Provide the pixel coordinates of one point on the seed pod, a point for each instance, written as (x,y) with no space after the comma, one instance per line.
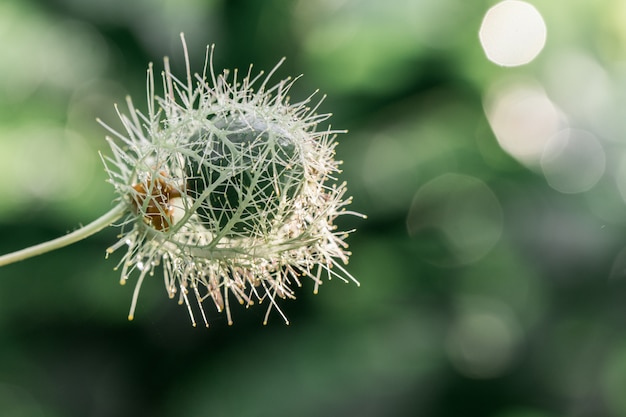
(231,189)
(249,170)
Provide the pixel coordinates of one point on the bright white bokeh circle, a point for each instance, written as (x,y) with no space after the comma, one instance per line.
(512,33)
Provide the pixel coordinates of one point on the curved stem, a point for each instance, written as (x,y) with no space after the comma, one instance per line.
(95,226)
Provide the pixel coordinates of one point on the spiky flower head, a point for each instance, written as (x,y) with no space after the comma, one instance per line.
(230,189)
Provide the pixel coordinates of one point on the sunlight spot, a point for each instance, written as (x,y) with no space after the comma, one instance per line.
(512,33)
(523,119)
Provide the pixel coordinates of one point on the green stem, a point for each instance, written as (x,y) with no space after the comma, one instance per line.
(95,226)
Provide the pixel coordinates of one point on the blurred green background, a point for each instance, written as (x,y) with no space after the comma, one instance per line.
(492,264)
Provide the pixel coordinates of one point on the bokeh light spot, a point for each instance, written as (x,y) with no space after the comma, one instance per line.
(523,119)
(482,342)
(458,219)
(512,33)
(582,86)
(573,161)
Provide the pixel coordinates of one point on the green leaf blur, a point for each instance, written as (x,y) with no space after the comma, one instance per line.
(492,263)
